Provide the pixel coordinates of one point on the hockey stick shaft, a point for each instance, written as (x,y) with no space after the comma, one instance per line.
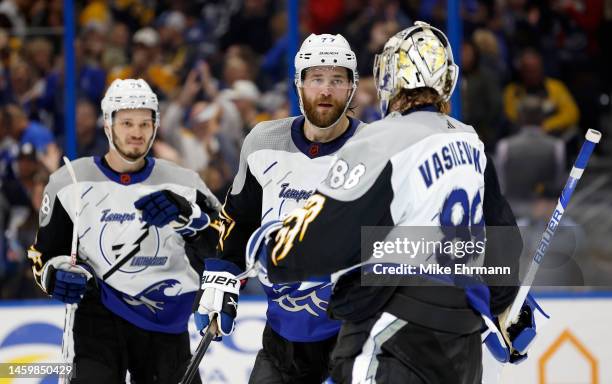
(77,208)
(592,138)
(71,308)
(197,357)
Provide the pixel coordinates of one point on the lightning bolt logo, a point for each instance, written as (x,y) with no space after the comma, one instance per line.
(124,254)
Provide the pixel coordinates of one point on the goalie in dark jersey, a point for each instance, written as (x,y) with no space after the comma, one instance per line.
(417,167)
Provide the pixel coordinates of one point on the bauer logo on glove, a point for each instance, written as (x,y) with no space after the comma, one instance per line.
(218,297)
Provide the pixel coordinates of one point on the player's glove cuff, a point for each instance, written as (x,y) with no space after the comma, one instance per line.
(197,221)
(165,207)
(257,247)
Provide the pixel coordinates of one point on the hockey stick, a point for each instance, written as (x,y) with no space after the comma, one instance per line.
(194,363)
(77,208)
(71,308)
(592,138)
(210,333)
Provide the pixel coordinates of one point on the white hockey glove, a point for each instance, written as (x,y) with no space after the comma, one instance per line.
(63,281)
(219,296)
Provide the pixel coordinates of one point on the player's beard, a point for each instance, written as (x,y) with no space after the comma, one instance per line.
(132,155)
(323,120)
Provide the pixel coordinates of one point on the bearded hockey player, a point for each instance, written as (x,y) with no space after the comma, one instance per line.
(417,167)
(133,281)
(281,164)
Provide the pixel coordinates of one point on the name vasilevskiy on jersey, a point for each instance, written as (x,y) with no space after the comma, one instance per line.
(446,158)
(294,194)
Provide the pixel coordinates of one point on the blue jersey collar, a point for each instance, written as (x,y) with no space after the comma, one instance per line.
(314,149)
(127,178)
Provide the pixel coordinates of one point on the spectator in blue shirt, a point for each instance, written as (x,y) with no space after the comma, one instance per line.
(18,131)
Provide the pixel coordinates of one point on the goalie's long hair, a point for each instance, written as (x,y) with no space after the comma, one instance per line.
(410,98)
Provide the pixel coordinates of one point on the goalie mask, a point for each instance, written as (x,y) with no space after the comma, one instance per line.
(128,94)
(419,56)
(323,51)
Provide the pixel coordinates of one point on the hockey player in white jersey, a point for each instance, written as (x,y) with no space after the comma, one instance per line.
(418,167)
(281,164)
(134,280)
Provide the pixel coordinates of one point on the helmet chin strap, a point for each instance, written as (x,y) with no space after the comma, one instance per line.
(384,107)
(348,103)
(111,144)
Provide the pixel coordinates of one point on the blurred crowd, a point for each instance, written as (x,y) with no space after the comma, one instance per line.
(533,79)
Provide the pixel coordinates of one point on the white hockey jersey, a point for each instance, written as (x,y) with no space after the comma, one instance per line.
(421,168)
(156,287)
(279,170)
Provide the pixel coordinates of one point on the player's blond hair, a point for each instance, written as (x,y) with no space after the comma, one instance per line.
(411,98)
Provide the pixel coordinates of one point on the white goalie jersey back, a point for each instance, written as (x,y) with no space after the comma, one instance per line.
(437,169)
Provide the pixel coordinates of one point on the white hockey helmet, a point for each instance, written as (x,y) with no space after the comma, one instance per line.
(128,94)
(325,50)
(419,56)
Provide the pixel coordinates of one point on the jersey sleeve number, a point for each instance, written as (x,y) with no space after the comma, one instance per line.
(45,206)
(342,176)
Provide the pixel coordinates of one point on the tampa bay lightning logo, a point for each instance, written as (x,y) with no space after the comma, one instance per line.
(296,299)
(154,297)
(139,243)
